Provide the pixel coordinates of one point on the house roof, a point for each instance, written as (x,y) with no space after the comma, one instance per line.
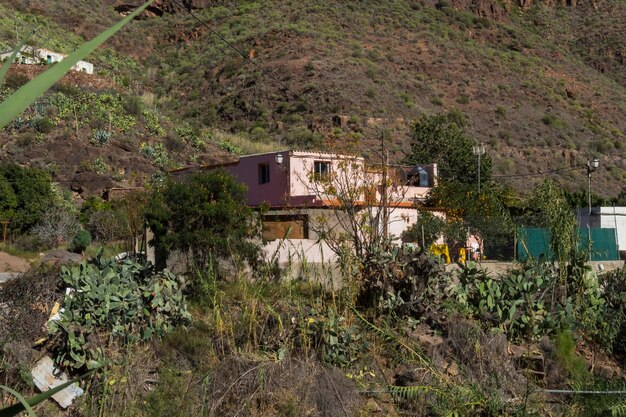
(294,152)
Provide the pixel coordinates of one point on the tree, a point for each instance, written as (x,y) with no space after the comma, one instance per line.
(8,200)
(57,225)
(440,139)
(356,195)
(33,191)
(131,213)
(426,231)
(206,217)
(485,215)
(81,240)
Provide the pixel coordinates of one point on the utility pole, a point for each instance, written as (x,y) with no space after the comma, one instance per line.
(591,167)
(479,150)
(384,188)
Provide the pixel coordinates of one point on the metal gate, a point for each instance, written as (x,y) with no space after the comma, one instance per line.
(535,242)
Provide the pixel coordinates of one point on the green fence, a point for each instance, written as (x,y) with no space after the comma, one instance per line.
(535,242)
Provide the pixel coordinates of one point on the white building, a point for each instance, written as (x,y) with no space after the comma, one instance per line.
(606,217)
(31,55)
(296,188)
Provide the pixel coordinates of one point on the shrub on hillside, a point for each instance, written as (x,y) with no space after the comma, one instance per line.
(81,240)
(58,225)
(33,190)
(15,81)
(613,333)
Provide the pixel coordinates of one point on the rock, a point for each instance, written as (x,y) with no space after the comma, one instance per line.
(453,369)
(517,351)
(61,257)
(425,336)
(375,121)
(159,7)
(371,407)
(604,371)
(430,341)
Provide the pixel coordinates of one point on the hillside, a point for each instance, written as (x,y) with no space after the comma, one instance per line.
(543,85)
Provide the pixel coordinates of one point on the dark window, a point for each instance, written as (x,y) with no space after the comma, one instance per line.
(264,173)
(321,170)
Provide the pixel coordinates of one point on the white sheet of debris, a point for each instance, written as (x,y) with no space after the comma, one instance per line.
(47,376)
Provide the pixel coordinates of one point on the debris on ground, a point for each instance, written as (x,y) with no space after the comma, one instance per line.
(47,376)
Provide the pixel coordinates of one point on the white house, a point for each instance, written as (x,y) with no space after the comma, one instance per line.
(31,55)
(296,187)
(606,217)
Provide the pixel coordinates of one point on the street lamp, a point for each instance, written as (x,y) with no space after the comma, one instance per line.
(479,150)
(591,166)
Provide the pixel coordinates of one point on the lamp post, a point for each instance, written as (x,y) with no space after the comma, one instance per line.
(591,166)
(478,150)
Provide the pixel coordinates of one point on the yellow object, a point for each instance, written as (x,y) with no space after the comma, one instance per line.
(55,309)
(41,341)
(442,251)
(462,255)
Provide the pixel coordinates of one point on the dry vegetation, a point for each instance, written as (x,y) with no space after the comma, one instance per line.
(542,86)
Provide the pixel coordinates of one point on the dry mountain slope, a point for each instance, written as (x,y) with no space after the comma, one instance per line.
(542,84)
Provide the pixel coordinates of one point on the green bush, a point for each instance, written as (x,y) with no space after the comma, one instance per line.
(133,105)
(33,190)
(125,302)
(205,214)
(341,343)
(42,124)
(81,240)
(431,226)
(612,327)
(565,345)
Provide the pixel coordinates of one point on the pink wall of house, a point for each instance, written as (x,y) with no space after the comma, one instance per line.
(303,186)
(276,191)
(291,184)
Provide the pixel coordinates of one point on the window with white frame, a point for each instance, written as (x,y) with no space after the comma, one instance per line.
(321,170)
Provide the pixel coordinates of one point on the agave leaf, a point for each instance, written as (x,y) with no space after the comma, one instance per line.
(25,405)
(31,91)
(8,62)
(22,403)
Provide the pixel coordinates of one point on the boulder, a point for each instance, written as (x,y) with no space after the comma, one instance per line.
(61,257)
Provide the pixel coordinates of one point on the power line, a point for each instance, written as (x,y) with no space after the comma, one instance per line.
(537,174)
